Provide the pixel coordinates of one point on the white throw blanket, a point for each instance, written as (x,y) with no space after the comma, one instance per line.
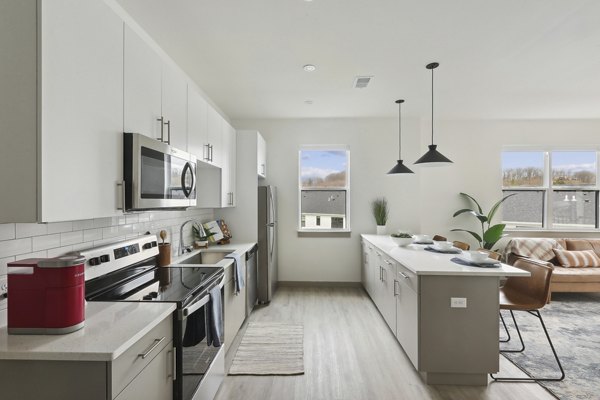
(538,248)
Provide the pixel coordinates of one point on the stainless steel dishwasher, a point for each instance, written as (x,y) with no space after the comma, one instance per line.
(251,283)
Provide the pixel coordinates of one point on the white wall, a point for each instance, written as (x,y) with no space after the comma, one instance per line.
(475,147)
(373,151)
(421,203)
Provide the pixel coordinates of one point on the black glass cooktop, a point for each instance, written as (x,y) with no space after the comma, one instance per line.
(146,282)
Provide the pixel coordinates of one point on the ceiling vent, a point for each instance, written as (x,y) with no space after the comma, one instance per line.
(361,81)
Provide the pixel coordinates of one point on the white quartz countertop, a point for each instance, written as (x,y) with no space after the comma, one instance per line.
(422,262)
(110,329)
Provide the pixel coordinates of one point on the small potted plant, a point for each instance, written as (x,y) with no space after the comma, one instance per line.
(402,238)
(379,207)
(201,235)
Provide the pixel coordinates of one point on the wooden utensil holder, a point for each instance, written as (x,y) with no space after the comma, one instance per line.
(164,254)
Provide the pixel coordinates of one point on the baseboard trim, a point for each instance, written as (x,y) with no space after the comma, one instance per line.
(318,284)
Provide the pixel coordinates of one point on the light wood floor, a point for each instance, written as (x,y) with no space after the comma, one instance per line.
(350,353)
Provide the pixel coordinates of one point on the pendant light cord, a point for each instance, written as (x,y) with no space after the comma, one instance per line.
(399,131)
(432,106)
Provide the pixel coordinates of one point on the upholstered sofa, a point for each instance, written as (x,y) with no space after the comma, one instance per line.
(564,279)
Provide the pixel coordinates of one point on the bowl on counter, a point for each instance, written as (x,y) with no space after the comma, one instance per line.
(478,256)
(402,241)
(443,245)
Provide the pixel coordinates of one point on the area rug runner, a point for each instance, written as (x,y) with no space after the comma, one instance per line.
(270,349)
(573,322)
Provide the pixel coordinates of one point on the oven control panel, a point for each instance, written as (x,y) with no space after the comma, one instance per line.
(108,258)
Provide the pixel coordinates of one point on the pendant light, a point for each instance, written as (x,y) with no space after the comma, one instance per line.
(432,158)
(400,168)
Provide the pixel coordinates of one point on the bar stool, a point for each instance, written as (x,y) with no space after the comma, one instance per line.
(530,295)
(461,245)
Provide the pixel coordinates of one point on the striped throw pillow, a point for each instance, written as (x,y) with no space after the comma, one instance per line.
(575,259)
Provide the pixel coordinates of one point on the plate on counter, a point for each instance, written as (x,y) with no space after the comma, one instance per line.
(488,261)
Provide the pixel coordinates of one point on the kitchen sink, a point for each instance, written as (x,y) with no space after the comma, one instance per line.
(205,257)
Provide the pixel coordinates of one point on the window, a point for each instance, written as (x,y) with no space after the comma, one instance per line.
(324,188)
(554,189)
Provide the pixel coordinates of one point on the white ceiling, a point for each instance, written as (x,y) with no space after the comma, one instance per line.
(498,58)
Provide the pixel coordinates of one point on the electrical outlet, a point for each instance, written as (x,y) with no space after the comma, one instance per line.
(458,302)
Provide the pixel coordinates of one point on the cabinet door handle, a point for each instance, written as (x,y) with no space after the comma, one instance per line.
(168,123)
(384,274)
(171,356)
(152,347)
(264,172)
(162,129)
(210,147)
(380,273)
(207,157)
(404,275)
(395,283)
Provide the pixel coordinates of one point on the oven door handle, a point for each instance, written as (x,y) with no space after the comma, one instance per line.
(183,314)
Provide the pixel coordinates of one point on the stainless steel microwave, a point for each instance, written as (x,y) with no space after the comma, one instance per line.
(156,175)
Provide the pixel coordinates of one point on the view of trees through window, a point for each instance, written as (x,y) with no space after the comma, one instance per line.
(574,168)
(561,193)
(522,168)
(323,189)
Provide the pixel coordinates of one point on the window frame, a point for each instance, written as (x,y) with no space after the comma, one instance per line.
(548,188)
(332,147)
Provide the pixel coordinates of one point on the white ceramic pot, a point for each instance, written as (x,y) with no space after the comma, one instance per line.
(381,229)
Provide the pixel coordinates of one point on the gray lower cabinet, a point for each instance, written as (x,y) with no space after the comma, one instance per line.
(155,380)
(129,376)
(378,274)
(407,313)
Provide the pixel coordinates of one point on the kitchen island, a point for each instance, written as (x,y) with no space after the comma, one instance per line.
(444,315)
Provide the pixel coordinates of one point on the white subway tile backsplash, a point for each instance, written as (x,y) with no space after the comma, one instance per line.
(83,224)
(7,231)
(132,218)
(59,251)
(111,231)
(36,254)
(29,230)
(46,242)
(102,222)
(15,247)
(92,234)
(71,238)
(60,227)
(20,241)
(82,246)
(109,240)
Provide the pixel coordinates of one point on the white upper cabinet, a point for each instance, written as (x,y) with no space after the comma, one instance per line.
(217,185)
(228,166)
(197,129)
(261,154)
(81,103)
(215,133)
(155,94)
(174,107)
(142,87)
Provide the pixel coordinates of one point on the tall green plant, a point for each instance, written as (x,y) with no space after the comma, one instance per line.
(380,210)
(490,234)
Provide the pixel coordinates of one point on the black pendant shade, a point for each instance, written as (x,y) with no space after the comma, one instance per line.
(400,168)
(432,158)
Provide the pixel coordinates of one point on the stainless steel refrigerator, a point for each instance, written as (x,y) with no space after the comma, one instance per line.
(267,243)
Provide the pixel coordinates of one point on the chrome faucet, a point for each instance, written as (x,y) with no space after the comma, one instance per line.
(181,249)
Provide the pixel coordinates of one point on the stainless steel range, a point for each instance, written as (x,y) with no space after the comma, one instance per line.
(127,271)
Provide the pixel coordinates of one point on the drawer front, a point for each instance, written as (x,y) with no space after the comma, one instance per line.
(407,277)
(129,364)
